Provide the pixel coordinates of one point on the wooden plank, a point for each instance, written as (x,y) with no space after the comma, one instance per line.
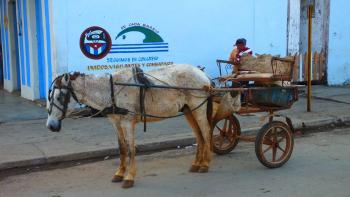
(314,65)
(296,68)
(305,66)
(323,66)
(319,66)
(247,138)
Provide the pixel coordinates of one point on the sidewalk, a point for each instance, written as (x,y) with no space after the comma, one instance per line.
(14,108)
(24,140)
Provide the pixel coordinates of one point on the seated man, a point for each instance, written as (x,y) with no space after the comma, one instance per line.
(239,51)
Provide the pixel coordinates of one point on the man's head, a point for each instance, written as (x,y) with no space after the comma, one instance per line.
(241,43)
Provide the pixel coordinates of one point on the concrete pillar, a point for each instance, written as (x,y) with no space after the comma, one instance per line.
(293,35)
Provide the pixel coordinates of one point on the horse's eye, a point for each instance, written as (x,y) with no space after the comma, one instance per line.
(61,98)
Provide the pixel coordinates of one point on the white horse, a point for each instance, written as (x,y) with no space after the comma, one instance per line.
(95,91)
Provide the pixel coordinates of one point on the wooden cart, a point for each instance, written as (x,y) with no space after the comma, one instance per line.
(274,141)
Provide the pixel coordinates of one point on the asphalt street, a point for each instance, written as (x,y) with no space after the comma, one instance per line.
(319,166)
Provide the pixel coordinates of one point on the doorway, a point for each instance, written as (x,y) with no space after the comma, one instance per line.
(1,67)
(13,41)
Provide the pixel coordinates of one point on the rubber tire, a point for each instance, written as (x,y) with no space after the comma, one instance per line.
(259,140)
(234,144)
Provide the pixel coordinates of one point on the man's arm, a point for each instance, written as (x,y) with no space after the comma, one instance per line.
(233,58)
(233,55)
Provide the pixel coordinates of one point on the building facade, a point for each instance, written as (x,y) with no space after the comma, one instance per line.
(26,31)
(41,39)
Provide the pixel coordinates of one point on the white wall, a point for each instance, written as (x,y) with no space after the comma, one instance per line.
(198,32)
(339,44)
(319,26)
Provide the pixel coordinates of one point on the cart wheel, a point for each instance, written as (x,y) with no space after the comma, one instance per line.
(274,144)
(225,135)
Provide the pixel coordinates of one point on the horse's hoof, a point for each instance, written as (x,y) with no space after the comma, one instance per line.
(128,184)
(194,168)
(203,169)
(117,178)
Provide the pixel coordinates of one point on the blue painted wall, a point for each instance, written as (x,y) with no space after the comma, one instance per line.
(40,42)
(5,40)
(35,84)
(20,40)
(16,47)
(3,68)
(198,32)
(7,44)
(26,40)
(339,43)
(48,42)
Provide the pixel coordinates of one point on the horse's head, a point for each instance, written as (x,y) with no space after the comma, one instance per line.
(59,97)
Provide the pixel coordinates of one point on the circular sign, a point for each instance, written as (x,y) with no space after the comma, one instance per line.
(95,42)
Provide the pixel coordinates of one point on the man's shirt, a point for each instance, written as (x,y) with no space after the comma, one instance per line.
(236,54)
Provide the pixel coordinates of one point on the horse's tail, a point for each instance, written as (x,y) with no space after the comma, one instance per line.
(210,119)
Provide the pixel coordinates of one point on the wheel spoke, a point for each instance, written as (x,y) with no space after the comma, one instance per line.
(274,131)
(267,141)
(225,126)
(279,147)
(267,149)
(229,127)
(274,151)
(221,141)
(229,136)
(221,131)
(281,139)
(229,132)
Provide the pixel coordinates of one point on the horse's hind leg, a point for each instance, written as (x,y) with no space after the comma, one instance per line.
(204,125)
(199,138)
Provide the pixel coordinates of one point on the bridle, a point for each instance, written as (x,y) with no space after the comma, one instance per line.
(63,98)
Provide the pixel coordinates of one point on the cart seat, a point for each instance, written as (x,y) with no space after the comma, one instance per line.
(257,77)
(260,77)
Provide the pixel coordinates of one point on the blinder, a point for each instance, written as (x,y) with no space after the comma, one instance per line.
(63,98)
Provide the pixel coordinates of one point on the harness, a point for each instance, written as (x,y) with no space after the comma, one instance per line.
(114,109)
(143,84)
(141,81)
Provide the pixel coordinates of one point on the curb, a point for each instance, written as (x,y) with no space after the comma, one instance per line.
(175,142)
(171,142)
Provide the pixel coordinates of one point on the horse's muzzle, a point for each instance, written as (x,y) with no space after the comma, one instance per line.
(54,127)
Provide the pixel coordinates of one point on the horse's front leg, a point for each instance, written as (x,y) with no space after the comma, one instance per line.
(128,127)
(119,174)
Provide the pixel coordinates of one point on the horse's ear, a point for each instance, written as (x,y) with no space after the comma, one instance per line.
(66,77)
(74,76)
